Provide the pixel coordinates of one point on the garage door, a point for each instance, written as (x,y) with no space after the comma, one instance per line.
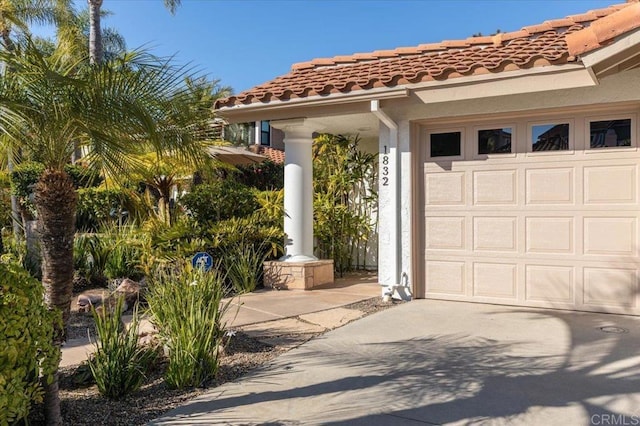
(537,213)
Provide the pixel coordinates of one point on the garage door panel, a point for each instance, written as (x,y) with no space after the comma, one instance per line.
(445,188)
(610,236)
(495,280)
(495,187)
(550,235)
(445,233)
(495,233)
(610,184)
(615,287)
(445,277)
(550,186)
(547,283)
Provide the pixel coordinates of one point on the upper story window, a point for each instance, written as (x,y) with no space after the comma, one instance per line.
(447,144)
(610,133)
(495,141)
(265,133)
(550,137)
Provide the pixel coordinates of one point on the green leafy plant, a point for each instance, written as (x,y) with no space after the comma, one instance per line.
(265,176)
(220,200)
(243,264)
(83,176)
(5,200)
(26,333)
(116,252)
(100,206)
(23,180)
(186,307)
(119,363)
(125,250)
(345,200)
(90,255)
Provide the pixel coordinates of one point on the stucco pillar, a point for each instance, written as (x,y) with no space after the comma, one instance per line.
(298,268)
(298,190)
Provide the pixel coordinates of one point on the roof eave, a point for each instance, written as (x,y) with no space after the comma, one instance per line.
(260,108)
(359,100)
(618,56)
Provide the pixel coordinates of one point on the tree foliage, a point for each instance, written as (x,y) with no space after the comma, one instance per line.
(345,200)
(26,328)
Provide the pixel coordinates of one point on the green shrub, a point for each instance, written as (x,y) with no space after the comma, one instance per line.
(177,241)
(219,201)
(90,258)
(224,235)
(265,176)
(97,206)
(186,306)
(26,351)
(116,252)
(119,364)
(23,178)
(5,200)
(345,201)
(243,265)
(82,176)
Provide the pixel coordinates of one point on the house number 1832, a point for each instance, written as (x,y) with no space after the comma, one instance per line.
(385,167)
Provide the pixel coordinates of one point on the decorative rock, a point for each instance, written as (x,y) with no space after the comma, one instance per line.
(86,301)
(131,291)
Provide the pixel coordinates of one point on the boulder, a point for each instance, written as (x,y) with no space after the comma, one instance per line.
(130,290)
(86,301)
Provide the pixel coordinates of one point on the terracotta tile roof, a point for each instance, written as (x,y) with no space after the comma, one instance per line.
(604,30)
(273,154)
(532,46)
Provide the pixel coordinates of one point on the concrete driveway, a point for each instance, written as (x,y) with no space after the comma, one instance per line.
(435,362)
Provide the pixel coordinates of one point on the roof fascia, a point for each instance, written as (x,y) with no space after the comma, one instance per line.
(319,100)
(609,56)
(568,78)
(450,89)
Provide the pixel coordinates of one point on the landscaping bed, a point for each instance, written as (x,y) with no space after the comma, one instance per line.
(83,404)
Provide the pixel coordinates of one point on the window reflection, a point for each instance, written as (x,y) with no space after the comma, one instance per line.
(550,137)
(495,141)
(609,133)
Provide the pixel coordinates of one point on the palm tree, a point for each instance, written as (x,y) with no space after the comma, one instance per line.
(96,47)
(126,107)
(28,12)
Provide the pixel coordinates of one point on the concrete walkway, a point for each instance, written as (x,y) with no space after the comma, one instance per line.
(285,317)
(436,362)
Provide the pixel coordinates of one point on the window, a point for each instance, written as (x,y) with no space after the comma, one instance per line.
(495,141)
(550,137)
(610,133)
(265,133)
(446,144)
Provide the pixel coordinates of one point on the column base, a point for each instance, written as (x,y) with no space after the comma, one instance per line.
(297,275)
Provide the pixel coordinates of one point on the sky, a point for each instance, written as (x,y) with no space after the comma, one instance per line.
(248,42)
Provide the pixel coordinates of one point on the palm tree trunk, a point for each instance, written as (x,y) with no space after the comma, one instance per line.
(95,33)
(56,202)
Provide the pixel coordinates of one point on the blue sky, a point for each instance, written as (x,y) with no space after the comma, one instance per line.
(244,43)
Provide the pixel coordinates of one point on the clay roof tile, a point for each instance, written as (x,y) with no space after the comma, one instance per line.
(556,41)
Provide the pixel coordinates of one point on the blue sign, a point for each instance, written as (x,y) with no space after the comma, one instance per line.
(202,260)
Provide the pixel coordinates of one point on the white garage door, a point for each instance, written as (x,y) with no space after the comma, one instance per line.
(540,212)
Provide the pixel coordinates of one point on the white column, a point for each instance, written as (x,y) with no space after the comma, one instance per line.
(298,190)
